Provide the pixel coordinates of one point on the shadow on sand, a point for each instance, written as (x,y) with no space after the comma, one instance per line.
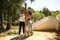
(58,36)
(21,37)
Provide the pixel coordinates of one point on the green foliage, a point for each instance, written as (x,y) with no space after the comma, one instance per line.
(54,13)
(12,32)
(46,11)
(11,7)
(30,9)
(36,16)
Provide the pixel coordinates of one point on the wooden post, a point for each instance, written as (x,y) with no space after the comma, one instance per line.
(25,16)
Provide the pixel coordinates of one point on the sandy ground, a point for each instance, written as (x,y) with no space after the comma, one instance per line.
(37,35)
(42,36)
(7,37)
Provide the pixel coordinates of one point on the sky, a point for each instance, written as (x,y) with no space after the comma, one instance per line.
(52,5)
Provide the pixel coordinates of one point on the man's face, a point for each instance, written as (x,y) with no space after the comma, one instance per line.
(23,12)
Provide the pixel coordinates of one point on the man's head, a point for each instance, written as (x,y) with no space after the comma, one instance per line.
(22,11)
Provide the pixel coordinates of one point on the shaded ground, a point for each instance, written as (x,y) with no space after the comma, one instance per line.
(37,35)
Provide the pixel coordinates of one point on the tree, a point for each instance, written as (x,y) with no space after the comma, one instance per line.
(30,9)
(1,12)
(11,11)
(10,7)
(46,11)
(36,16)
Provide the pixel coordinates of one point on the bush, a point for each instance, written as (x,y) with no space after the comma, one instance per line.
(12,32)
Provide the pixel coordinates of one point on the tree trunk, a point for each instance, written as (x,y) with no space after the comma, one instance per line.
(9,23)
(1,22)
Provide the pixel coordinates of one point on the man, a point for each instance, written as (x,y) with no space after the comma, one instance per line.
(22,21)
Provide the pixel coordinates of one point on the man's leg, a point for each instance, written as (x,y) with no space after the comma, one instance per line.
(20,28)
(23,27)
